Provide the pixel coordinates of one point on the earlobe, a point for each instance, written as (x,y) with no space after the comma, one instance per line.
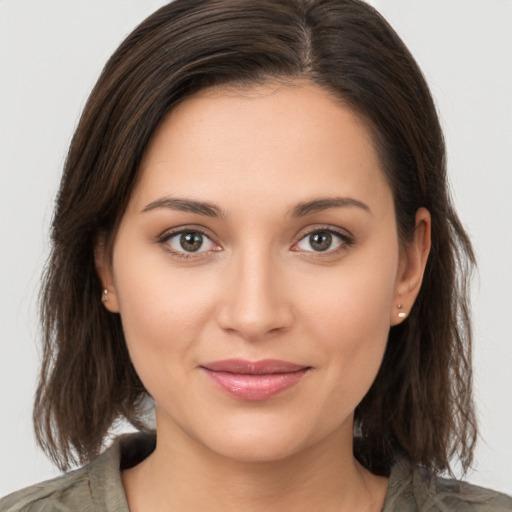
(103,264)
(412,267)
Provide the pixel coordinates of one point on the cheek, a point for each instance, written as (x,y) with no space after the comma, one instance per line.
(354,302)
(163,312)
(352,320)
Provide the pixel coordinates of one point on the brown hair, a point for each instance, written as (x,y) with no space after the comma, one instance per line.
(420,405)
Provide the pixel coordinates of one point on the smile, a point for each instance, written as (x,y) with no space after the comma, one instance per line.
(259,380)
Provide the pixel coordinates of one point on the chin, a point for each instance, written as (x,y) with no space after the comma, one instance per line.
(265,439)
(258,448)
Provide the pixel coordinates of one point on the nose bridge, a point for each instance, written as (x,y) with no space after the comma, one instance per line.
(255,302)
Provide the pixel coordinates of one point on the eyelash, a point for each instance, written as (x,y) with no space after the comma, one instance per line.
(347,241)
(164,239)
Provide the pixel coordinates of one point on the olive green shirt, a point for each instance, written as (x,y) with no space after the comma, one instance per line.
(98,487)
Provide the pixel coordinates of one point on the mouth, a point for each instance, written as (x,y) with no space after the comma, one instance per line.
(259,380)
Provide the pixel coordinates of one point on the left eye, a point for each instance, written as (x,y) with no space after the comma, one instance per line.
(321,241)
(190,241)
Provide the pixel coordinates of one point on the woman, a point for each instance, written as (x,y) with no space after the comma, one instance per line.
(253,228)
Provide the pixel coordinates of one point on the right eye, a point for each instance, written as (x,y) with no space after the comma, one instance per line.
(188,241)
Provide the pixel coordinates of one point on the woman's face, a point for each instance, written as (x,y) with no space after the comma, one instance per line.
(261,230)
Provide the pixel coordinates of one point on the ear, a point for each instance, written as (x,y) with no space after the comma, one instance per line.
(413,260)
(103,262)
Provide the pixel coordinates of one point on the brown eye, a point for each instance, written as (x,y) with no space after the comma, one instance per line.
(323,240)
(187,242)
(320,241)
(191,241)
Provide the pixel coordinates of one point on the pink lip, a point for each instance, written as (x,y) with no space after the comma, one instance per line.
(258,380)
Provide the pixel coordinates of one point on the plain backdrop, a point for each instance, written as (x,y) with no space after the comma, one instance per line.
(51,52)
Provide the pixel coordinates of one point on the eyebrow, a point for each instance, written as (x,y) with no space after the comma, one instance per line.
(211,210)
(186,205)
(321,204)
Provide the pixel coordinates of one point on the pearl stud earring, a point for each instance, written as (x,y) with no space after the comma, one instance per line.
(400,314)
(104,296)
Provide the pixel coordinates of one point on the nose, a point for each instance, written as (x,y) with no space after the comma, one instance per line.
(255,303)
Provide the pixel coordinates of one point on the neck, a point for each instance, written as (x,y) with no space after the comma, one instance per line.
(182,474)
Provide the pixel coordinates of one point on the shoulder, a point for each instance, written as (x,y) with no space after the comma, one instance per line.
(94,487)
(415,489)
(57,494)
(463,496)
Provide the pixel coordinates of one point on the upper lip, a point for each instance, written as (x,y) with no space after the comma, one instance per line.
(241,366)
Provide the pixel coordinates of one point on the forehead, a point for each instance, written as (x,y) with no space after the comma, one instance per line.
(297,138)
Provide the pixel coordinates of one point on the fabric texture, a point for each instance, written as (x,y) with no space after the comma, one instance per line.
(98,487)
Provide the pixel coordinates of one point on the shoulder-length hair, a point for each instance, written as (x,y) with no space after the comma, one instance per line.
(420,405)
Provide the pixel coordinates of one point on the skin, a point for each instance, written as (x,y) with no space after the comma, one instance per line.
(258,289)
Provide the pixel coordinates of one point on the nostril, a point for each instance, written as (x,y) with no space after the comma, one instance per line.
(254,303)
(254,327)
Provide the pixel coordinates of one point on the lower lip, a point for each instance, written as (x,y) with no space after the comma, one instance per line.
(255,387)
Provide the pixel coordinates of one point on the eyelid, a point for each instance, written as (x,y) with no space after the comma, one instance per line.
(163,240)
(346,238)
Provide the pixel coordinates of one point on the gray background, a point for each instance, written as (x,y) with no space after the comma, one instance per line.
(51,52)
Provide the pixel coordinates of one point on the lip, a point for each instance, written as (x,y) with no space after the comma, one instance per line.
(254,380)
